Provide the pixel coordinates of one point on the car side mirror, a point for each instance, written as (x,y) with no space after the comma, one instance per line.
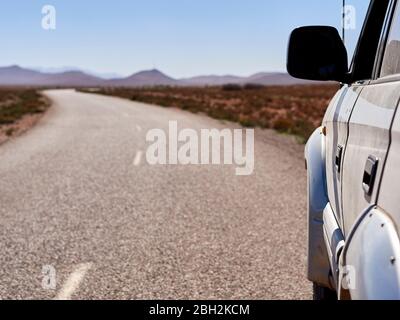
(317,53)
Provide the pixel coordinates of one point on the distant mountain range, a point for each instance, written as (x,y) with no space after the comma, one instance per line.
(18,76)
(111,75)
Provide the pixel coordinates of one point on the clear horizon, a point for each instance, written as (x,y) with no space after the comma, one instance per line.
(180,38)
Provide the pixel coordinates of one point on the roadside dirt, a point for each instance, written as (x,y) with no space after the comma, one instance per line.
(10,131)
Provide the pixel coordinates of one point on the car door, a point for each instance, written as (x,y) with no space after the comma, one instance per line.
(338,116)
(369,133)
(388,198)
(336,128)
(373,248)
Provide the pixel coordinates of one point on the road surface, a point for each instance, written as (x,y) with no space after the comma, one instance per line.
(83,216)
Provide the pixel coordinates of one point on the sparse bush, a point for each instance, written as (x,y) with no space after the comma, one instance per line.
(303,128)
(231,87)
(247,121)
(253,86)
(16,103)
(9,132)
(283,124)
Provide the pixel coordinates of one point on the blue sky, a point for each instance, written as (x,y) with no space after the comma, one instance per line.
(180,37)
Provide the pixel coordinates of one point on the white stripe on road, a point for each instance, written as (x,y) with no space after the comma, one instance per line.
(73,282)
(138,158)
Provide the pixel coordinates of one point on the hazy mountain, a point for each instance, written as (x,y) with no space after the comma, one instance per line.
(262,78)
(144,78)
(106,75)
(212,80)
(17,76)
(53,70)
(72,78)
(273,78)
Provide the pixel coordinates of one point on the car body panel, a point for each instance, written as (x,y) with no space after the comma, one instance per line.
(318,266)
(369,135)
(372,259)
(388,194)
(334,240)
(336,123)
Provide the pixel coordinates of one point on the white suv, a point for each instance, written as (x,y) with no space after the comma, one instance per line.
(353,160)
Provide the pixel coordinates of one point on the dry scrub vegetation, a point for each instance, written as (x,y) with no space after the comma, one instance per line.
(296,110)
(19,109)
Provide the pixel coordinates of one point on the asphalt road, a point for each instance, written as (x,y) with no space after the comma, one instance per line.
(78,200)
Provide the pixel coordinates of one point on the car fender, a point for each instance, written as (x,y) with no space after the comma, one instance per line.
(371,258)
(318,267)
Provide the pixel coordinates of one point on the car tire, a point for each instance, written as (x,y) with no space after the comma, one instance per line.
(321,293)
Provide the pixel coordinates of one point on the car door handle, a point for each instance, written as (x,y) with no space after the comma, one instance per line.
(369,176)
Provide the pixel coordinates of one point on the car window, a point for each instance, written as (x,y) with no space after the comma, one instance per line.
(391,58)
(363,63)
(355,13)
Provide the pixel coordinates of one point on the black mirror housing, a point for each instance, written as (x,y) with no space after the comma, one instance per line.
(317,53)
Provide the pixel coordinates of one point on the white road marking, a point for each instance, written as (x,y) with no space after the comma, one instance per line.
(73,282)
(138,128)
(138,158)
